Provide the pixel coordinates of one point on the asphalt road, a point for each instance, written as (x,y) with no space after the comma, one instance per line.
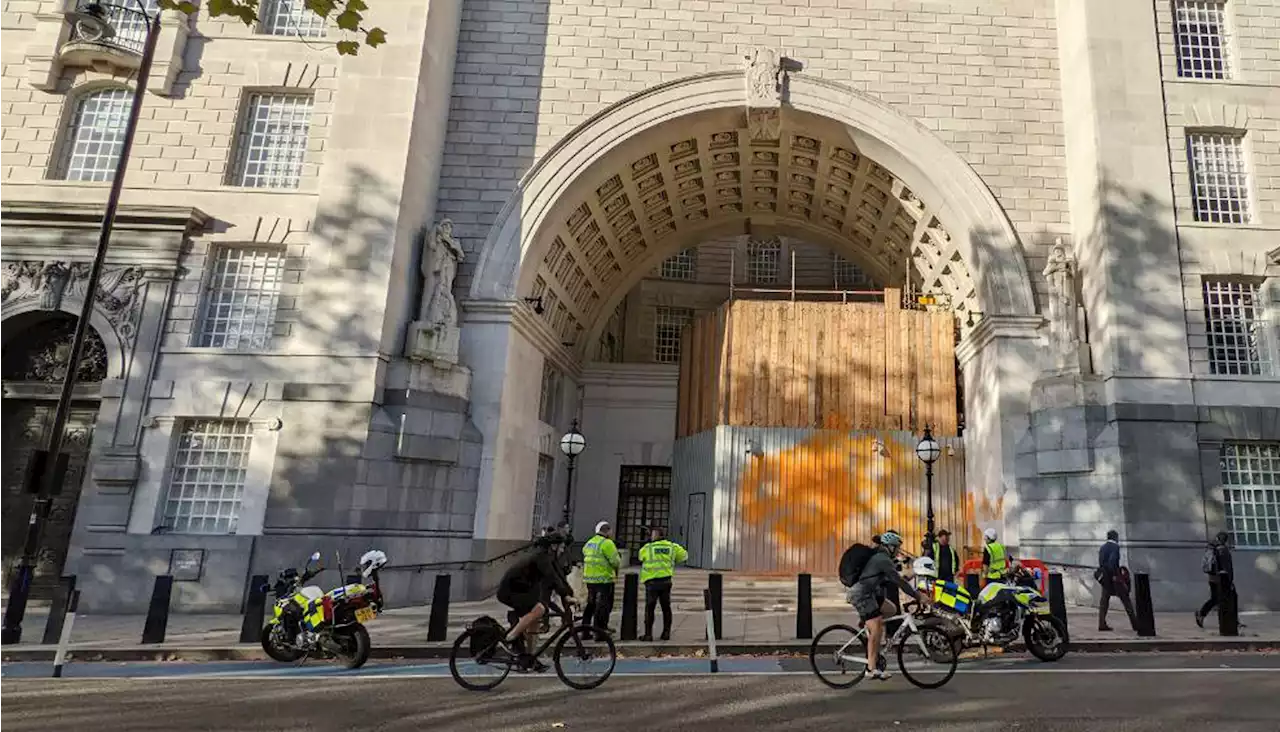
(1169,693)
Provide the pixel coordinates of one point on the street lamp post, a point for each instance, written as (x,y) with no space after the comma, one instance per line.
(572,445)
(928,451)
(93,24)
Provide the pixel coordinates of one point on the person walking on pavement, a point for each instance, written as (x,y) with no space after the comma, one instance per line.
(946,557)
(599,570)
(1113,581)
(995,558)
(1222,575)
(658,563)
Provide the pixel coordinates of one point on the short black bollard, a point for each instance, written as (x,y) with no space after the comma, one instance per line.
(438,620)
(972,585)
(255,608)
(804,606)
(158,611)
(58,609)
(1228,612)
(1058,600)
(630,603)
(715,585)
(1142,605)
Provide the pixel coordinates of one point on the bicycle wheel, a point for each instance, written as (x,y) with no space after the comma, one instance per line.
(838,656)
(475,675)
(587,651)
(928,658)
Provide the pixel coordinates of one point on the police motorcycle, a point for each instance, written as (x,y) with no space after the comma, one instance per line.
(1005,609)
(308,622)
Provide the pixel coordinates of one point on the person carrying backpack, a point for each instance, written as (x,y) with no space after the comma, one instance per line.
(869,572)
(1216,563)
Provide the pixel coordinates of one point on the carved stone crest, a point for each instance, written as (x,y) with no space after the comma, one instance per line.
(119,293)
(434,336)
(764,94)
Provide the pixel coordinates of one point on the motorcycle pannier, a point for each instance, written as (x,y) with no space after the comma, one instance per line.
(952,595)
(485,633)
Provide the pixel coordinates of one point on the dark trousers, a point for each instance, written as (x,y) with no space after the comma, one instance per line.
(657,591)
(1110,588)
(1217,595)
(599,604)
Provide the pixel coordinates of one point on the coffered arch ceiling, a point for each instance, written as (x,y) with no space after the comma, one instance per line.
(702,176)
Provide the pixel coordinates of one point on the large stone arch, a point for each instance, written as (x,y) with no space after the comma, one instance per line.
(974,232)
(117,353)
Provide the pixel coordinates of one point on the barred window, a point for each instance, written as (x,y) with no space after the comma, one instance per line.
(128,26)
(241,299)
(849,276)
(1251,493)
(290,18)
(1219,177)
(542,494)
(207,481)
(669,323)
(764,258)
(681,266)
(272,142)
(94,135)
(1235,327)
(1200,32)
(549,398)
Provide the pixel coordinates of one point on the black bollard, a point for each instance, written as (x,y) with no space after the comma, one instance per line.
(1058,600)
(438,620)
(804,606)
(58,609)
(972,586)
(255,608)
(158,611)
(630,602)
(1142,605)
(1228,612)
(715,585)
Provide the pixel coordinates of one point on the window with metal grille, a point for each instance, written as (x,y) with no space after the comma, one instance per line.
(94,135)
(241,298)
(206,483)
(1200,33)
(1234,324)
(128,25)
(668,324)
(272,141)
(849,276)
(764,258)
(549,398)
(542,493)
(681,266)
(1251,493)
(1219,177)
(290,18)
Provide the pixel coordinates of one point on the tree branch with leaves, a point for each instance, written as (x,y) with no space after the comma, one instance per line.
(346,14)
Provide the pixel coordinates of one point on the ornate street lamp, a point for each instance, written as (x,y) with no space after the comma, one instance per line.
(928,451)
(92,24)
(572,445)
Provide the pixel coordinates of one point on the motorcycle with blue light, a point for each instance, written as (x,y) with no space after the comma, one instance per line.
(308,622)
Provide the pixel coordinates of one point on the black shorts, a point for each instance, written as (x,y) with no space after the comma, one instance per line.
(522,599)
(867,600)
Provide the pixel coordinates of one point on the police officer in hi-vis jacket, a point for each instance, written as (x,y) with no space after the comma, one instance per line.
(658,561)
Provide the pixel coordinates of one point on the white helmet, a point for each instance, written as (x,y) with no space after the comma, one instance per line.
(372,560)
(924,567)
(989,534)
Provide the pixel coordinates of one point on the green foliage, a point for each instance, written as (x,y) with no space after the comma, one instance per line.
(346,14)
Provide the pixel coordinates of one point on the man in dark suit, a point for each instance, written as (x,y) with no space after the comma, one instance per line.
(1114,581)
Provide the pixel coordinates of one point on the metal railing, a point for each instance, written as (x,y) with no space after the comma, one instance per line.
(129,24)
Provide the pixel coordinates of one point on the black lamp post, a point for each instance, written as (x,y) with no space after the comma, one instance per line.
(928,451)
(572,445)
(92,24)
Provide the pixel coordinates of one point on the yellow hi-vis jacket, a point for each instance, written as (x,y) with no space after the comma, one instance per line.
(659,559)
(600,560)
(999,565)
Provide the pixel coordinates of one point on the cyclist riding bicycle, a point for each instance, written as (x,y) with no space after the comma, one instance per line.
(526,588)
(869,595)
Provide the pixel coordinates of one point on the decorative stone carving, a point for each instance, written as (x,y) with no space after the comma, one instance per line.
(1065,341)
(434,336)
(119,294)
(764,95)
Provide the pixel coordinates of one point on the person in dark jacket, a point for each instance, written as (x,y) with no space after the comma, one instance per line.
(1113,581)
(1222,578)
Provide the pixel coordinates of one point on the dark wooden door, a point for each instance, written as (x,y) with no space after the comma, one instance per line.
(26,429)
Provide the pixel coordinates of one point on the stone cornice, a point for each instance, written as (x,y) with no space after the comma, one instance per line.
(522,318)
(47,214)
(630,374)
(992,327)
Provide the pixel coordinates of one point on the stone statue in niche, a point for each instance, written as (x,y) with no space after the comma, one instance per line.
(764,95)
(1066,345)
(435,333)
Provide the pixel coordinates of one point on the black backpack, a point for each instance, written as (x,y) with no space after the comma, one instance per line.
(853,561)
(1209,562)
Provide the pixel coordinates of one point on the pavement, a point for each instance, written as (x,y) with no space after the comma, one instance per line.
(1132,692)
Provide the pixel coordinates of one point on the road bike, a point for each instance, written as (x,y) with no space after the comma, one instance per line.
(478,652)
(926,655)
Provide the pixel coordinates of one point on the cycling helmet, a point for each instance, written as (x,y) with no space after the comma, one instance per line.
(891,539)
(372,560)
(924,567)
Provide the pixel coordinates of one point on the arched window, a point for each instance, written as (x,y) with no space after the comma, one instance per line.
(94,135)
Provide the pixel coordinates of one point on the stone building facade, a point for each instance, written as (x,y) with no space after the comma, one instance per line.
(280,253)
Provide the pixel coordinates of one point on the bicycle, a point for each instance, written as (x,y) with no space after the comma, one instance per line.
(933,646)
(587,641)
